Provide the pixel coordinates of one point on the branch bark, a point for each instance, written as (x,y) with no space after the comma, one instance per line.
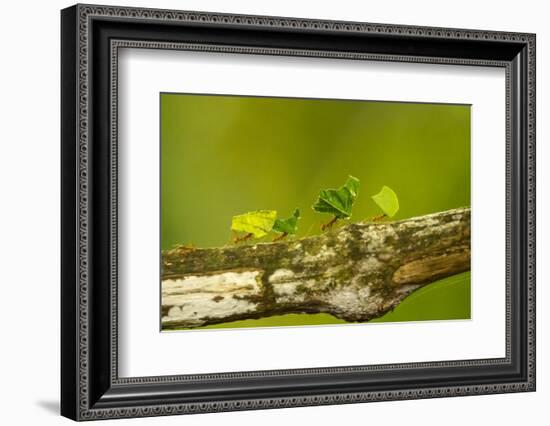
(357,272)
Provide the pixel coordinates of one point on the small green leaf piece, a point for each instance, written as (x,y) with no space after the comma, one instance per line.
(289,225)
(338,202)
(258,223)
(387,200)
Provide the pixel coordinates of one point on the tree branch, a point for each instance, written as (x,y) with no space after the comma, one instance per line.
(357,272)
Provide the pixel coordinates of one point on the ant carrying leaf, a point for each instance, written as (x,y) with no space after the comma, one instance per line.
(387,201)
(255,224)
(286,226)
(337,202)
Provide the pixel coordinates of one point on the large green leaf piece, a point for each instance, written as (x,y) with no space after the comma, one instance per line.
(338,201)
(387,200)
(288,225)
(258,223)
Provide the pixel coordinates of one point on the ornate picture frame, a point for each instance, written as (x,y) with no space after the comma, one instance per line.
(91,38)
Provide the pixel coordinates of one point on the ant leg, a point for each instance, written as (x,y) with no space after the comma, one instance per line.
(329,224)
(378,218)
(280,237)
(246,237)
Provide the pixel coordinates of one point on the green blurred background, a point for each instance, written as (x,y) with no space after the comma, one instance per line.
(226,155)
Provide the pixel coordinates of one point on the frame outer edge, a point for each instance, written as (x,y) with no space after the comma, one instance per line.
(69,190)
(81,366)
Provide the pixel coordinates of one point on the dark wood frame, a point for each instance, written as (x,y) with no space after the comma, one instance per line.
(90,386)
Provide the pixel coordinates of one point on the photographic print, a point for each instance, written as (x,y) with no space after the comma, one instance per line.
(292,211)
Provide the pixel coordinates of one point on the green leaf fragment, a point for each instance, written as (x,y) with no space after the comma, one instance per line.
(257,223)
(289,225)
(387,200)
(338,202)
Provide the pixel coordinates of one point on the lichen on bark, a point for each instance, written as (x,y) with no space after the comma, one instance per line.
(357,272)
